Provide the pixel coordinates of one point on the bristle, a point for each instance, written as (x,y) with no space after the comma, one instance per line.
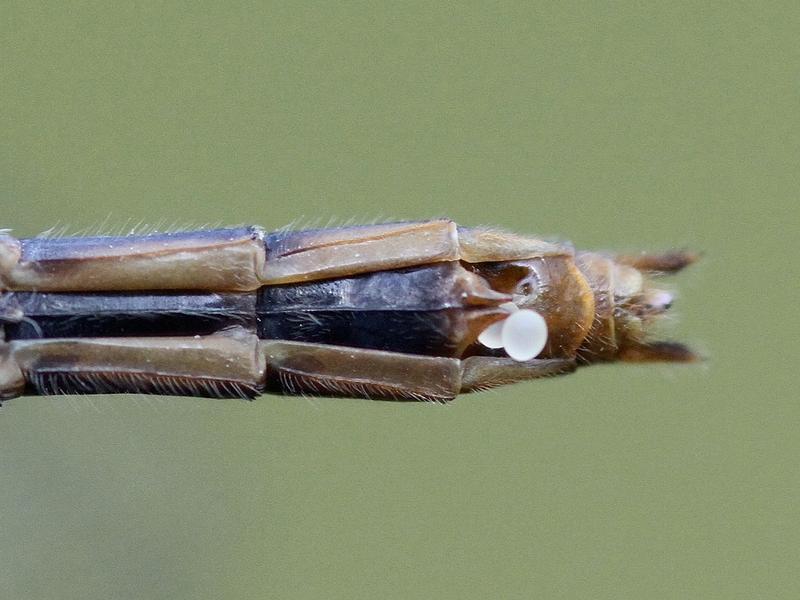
(294,382)
(100,382)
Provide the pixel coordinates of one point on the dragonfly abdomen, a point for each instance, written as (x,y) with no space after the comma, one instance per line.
(401,310)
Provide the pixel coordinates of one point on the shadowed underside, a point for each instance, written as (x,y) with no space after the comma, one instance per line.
(400,311)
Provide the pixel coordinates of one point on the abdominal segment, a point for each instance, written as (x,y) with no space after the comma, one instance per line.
(437,310)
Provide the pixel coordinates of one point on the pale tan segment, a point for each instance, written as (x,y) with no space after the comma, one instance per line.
(352,250)
(227,260)
(478,245)
(12,380)
(484,372)
(221,365)
(304,368)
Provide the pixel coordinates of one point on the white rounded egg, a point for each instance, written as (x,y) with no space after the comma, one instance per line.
(524,334)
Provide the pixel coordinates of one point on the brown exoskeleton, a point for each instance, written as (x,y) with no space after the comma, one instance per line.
(404,310)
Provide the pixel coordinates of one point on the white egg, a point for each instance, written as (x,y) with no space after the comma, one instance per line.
(524,334)
(492,336)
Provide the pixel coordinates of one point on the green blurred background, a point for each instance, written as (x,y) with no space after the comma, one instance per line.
(624,125)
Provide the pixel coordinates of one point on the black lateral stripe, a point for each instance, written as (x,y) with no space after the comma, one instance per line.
(51,315)
(415,311)
(428,333)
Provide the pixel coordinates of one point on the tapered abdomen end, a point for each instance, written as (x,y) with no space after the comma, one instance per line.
(660,263)
(674,352)
(627,306)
